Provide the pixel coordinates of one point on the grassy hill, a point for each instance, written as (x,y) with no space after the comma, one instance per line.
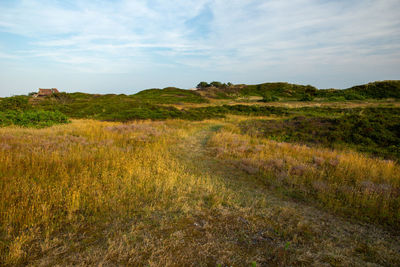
(374,90)
(169,95)
(383,89)
(288,91)
(284,90)
(278,89)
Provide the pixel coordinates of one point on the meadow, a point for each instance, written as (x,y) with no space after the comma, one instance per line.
(117,180)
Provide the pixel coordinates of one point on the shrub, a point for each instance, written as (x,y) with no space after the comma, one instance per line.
(14,103)
(350,95)
(307,97)
(269,98)
(32,118)
(202,85)
(216,84)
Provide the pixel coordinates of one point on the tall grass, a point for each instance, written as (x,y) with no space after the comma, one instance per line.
(88,172)
(347,182)
(150,193)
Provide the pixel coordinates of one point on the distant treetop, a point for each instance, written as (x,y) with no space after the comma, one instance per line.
(215,84)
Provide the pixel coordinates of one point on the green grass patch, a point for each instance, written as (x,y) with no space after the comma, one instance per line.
(32,118)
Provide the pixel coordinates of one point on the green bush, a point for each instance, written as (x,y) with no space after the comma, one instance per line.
(32,118)
(375,90)
(353,96)
(269,98)
(216,84)
(307,97)
(202,85)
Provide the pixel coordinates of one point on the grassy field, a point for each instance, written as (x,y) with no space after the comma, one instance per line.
(181,193)
(274,174)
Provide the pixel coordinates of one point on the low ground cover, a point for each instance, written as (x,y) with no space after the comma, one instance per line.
(372,130)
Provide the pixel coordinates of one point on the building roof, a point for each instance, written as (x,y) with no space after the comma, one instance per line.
(44,92)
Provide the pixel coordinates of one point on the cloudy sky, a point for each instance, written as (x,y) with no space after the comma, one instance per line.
(123,46)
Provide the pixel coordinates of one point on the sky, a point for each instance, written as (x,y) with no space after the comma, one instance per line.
(124,46)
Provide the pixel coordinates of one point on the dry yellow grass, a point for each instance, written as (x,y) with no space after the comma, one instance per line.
(151,193)
(344,181)
(87,171)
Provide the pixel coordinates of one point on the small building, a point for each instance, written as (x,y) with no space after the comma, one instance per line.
(46,92)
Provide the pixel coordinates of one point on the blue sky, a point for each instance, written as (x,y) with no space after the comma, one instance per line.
(124,46)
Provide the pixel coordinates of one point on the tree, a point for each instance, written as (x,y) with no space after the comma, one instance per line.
(202,85)
(216,84)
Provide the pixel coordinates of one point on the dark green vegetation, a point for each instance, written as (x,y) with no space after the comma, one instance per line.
(372,130)
(108,107)
(374,90)
(169,95)
(125,108)
(17,111)
(32,118)
(120,107)
(286,91)
(268,91)
(14,103)
(203,85)
(101,107)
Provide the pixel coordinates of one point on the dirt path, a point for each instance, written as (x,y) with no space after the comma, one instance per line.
(283,231)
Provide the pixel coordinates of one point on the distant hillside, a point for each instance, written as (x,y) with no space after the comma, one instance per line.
(374,90)
(380,89)
(283,90)
(277,89)
(150,104)
(109,107)
(169,95)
